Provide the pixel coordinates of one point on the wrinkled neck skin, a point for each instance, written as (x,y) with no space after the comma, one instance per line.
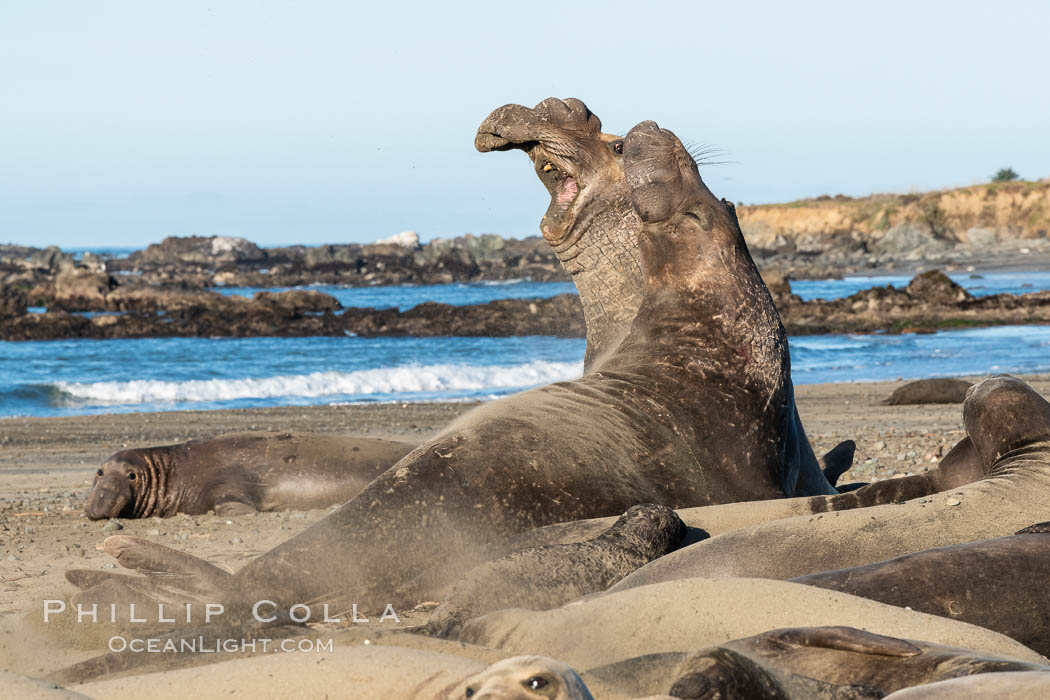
(153,487)
(601,254)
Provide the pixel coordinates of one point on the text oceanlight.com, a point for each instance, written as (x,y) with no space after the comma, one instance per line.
(201,645)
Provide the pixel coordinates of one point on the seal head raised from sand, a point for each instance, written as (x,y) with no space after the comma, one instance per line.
(524,678)
(238,472)
(590,223)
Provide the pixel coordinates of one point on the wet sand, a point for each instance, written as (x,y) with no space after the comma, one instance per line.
(46,466)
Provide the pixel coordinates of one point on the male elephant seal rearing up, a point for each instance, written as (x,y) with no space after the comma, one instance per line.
(239,472)
(693,407)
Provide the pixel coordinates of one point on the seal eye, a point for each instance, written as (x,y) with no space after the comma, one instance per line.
(99,472)
(617,148)
(537,683)
(470,692)
(131,476)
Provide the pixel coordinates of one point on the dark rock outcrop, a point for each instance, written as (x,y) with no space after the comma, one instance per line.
(12,302)
(298,314)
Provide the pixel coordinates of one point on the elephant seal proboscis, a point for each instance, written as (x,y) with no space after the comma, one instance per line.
(999,584)
(524,678)
(695,405)
(540,578)
(829,662)
(1009,425)
(239,471)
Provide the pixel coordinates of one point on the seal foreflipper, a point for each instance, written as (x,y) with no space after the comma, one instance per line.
(838,460)
(845,639)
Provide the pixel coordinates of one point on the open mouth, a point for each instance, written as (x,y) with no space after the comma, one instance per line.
(564,190)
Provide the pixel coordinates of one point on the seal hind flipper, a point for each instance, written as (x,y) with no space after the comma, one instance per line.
(1037,529)
(194,575)
(89,578)
(838,460)
(844,639)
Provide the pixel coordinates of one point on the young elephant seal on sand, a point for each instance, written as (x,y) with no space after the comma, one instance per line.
(524,678)
(239,472)
(540,578)
(695,405)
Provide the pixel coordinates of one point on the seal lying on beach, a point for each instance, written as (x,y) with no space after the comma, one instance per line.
(239,471)
(691,614)
(828,662)
(524,678)
(1009,425)
(695,406)
(923,391)
(999,584)
(540,578)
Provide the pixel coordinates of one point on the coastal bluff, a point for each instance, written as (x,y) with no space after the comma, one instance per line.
(1006,221)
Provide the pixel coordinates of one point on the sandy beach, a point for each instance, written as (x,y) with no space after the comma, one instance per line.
(46,466)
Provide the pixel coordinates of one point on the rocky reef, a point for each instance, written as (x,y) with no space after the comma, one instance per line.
(91,305)
(167,289)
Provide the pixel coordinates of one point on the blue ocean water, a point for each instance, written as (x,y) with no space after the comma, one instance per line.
(406,296)
(978,284)
(64,377)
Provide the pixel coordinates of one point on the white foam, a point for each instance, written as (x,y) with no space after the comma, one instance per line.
(430,379)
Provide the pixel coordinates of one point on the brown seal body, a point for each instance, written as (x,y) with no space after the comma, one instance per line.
(999,584)
(923,391)
(959,467)
(540,578)
(828,662)
(695,405)
(1009,426)
(251,471)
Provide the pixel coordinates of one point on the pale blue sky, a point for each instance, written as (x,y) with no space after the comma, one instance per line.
(316,121)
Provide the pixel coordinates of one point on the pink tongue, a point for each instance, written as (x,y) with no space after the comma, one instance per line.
(566,191)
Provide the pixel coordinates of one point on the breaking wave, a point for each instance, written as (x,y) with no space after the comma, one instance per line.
(408,382)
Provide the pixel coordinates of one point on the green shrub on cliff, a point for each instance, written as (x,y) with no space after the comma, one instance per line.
(1005,175)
